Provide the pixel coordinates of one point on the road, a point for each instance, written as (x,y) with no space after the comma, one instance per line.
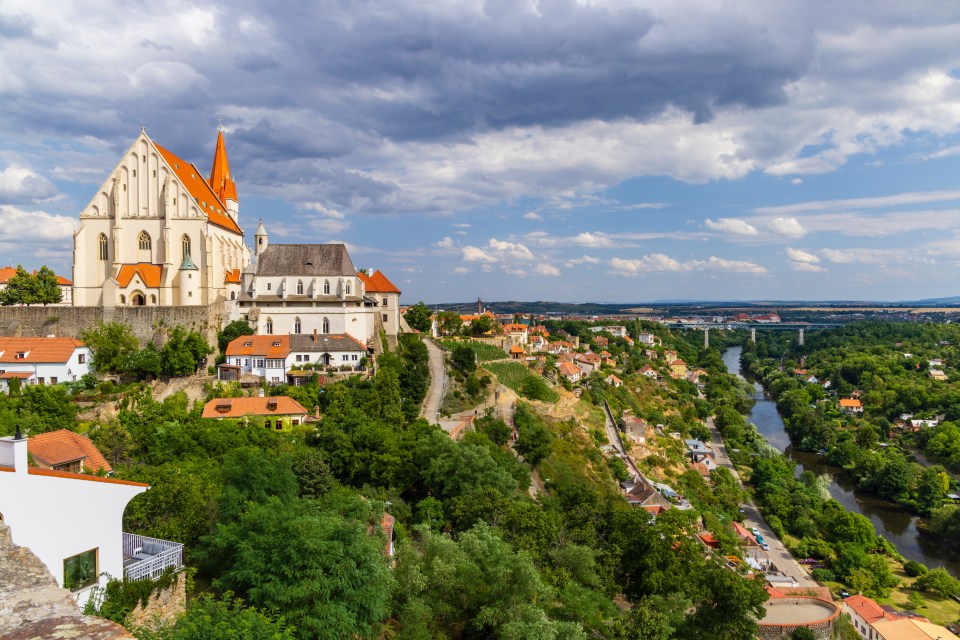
(438,383)
(613,437)
(778,553)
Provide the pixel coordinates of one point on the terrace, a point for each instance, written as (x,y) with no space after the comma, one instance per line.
(147,558)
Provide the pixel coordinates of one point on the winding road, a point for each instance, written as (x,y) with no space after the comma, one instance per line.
(438,383)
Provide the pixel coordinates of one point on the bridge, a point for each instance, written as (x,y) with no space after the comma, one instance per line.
(752,326)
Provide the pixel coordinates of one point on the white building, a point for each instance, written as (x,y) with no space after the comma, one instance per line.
(387,295)
(272,356)
(157,232)
(72,522)
(42,360)
(263,355)
(302,288)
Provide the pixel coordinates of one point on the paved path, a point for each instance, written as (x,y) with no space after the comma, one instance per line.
(438,383)
(613,437)
(778,553)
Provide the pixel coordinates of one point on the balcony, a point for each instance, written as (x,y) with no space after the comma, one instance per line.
(147,558)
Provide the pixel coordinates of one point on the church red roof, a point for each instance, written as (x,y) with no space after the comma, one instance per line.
(208,201)
(151,274)
(377,283)
(220,179)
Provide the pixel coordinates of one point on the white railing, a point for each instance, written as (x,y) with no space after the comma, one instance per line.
(155,565)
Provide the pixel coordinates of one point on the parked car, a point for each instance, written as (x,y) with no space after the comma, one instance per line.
(755,531)
(765,546)
(844,594)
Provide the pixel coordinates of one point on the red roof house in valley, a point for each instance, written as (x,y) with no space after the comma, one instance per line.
(278,411)
(851,405)
(64,450)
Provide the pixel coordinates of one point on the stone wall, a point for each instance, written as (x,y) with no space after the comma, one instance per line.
(33,606)
(149,324)
(163,606)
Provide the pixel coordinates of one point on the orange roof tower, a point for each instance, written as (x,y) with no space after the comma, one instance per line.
(220,179)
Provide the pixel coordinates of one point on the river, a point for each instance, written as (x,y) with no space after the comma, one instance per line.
(890,520)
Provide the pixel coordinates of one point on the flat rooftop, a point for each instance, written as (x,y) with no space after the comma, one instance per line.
(789,611)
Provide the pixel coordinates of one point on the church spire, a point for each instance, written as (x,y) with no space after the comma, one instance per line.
(220,179)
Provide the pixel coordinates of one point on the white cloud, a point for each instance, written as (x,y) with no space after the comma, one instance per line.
(461,271)
(329,221)
(731,225)
(806,266)
(476,254)
(853,256)
(21,185)
(531,215)
(445,243)
(849,204)
(22,226)
(662,262)
(787,227)
(797,181)
(498,251)
(799,255)
(324,210)
(573,262)
(461,225)
(545,269)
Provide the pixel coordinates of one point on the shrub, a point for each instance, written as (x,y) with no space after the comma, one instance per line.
(913,568)
(824,575)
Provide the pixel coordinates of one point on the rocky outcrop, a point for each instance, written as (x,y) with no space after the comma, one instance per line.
(33,607)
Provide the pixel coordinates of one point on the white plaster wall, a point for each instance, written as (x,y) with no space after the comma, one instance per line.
(357,321)
(64,371)
(60,517)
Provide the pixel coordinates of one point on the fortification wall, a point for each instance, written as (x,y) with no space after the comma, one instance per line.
(149,324)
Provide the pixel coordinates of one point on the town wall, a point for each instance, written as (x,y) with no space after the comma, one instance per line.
(163,606)
(149,324)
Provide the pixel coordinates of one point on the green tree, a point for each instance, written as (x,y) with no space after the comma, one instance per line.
(230,333)
(463,358)
(803,633)
(111,343)
(143,363)
(226,619)
(20,289)
(939,582)
(482,325)
(50,404)
(325,572)
(183,352)
(449,322)
(418,317)
(46,287)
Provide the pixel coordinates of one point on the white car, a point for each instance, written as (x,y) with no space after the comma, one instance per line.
(755,531)
(765,546)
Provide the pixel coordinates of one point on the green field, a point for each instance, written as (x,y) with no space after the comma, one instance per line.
(485,352)
(513,374)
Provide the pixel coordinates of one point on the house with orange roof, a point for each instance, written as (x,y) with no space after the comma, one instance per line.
(517,352)
(569,371)
(158,232)
(517,332)
(64,450)
(260,355)
(73,522)
(851,406)
(588,362)
(678,368)
(911,629)
(66,286)
(613,381)
(277,412)
(42,360)
(650,372)
(387,296)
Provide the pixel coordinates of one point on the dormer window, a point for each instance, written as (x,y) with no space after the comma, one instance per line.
(223,407)
(276,344)
(248,344)
(21,355)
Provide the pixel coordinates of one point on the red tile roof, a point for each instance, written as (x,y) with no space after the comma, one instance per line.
(150,274)
(516,349)
(865,608)
(377,283)
(220,179)
(567,369)
(8,272)
(853,403)
(57,447)
(240,407)
(34,471)
(200,190)
(263,345)
(232,277)
(38,349)
(23,375)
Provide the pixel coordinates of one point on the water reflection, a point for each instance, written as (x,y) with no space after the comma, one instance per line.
(890,521)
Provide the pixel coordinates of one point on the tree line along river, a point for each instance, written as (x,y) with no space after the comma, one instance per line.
(890,520)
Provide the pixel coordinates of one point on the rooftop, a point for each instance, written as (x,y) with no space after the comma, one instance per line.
(62,446)
(240,407)
(37,349)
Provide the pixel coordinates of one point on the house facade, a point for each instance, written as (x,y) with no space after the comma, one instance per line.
(277,412)
(42,360)
(379,287)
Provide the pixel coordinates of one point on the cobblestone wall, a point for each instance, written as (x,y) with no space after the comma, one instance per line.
(163,606)
(149,324)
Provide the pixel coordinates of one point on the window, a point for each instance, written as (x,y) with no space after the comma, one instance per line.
(347,288)
(384,317)
(104,248)
(279,424)
(40,381)
(144,241)
(269,286)
(71,467)
(326,287)
(299,358)
(345,357)
(306,357)
(275,380)
(185,246)
(299,287)
(53,380)
(326,325)
(384,302)
(354,357)
(81,570)
(269,325)
(296,325)
(258,362)
(21,355)
(246,362)
(82,358)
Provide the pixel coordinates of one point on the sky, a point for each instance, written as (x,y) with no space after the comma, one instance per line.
(601,151)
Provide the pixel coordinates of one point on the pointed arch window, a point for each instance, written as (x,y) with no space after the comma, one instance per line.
(326,287)
(269,325)
(326,325)
(296,325)
(185,246)
(144,241)
(347,287)
(299,287)
(104,250)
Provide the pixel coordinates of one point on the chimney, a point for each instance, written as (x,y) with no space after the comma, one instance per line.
(13,452)
(314,336)
(316,412)
(479,308)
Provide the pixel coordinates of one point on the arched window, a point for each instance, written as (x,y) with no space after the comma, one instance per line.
(269,325)
(185,245)
(233,295)
(123,299)
(104,251)
(296,325)
(326,325)
(144,241)
(326,287)
(153,299)
(299,287)
(347,288)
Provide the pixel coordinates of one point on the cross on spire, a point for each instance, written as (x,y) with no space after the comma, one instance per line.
(219,123)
